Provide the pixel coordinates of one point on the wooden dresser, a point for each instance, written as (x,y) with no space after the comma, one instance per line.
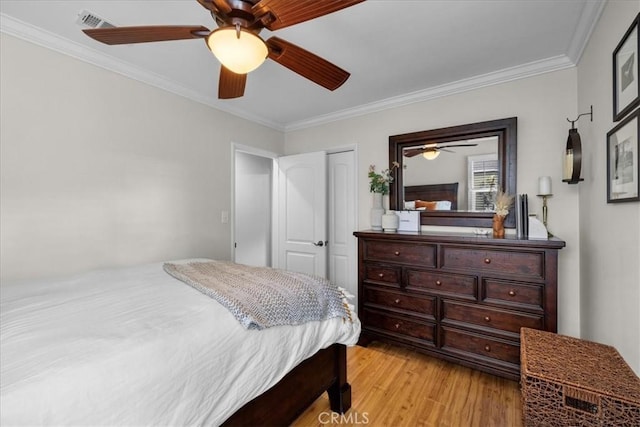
(459,297)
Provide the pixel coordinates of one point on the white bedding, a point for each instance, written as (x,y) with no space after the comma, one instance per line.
(137,347)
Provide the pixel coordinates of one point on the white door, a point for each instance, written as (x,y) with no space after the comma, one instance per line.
(302,206)
(343,269)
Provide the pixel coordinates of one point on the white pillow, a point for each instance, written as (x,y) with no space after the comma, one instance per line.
(410,205)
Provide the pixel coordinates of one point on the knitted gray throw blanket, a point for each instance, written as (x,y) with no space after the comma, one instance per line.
(261,297)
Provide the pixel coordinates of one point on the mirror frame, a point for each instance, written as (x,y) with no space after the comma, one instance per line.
(506,131)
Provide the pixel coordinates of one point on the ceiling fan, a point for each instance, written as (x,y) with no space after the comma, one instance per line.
(236,43)
(432,150)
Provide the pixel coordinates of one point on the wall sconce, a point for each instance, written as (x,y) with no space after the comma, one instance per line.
(573,153)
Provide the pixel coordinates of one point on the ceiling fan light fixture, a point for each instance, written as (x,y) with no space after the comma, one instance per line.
(431,154)
(237,49)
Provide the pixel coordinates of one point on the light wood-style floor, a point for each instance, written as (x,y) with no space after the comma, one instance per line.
(394,386)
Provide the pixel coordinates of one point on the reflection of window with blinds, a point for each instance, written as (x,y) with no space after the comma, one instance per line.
(483,182)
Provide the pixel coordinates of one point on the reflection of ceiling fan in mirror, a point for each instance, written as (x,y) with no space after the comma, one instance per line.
(431,151)
(236,43)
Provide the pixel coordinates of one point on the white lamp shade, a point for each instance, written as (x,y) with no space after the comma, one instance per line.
(240,52)
(544,186)
(431,154)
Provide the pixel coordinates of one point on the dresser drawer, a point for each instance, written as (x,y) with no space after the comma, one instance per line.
(523,264)
(421,306)
(458,341)
(473,314)
(446,284)
(398,325)
(509,293)
(382,273)
(405,253)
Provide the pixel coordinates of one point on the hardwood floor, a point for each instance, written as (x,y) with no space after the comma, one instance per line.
(394,386)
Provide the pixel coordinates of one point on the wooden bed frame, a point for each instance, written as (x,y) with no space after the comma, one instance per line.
(433,192)
(288,399)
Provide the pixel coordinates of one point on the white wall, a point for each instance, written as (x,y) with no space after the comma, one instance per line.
(99,170)
(610,233)
(541,103)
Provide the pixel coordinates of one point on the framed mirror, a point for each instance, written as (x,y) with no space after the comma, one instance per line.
(451,175)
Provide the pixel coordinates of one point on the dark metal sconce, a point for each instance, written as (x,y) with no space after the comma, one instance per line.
(573,152)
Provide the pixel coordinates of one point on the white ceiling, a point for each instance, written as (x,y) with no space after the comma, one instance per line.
(397,51)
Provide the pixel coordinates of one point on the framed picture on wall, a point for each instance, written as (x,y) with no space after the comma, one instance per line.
(622,160)
(625,73)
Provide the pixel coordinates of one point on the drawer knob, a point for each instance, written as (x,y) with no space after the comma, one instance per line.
(487,348)
(397,325)
(438,282)
(397,301)
(512,293)
(397,253)
(487,261)
(381,275)
(487,318)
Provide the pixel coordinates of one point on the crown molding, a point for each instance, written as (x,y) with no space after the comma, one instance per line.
(38,36)
(497,77)
(587,23)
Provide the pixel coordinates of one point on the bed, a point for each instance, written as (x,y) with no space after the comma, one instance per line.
(431,194)
(135,346)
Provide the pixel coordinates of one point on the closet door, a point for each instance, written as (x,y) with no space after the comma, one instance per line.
(342,220)
(302,207)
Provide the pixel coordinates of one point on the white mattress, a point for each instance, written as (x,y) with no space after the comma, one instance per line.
(137,347)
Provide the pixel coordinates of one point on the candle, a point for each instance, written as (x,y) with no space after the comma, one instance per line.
(568,164)
(544,185)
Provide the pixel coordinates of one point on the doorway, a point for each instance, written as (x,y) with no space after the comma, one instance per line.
(253,196)
(256,207)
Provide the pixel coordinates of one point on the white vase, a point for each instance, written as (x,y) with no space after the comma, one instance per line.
(390,222)
(376,212)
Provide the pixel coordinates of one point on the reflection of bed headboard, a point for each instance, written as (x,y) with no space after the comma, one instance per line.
(433,192)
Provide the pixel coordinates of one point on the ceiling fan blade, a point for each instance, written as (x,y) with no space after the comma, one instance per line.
(216,6)
(306,64)
(128,35)
(412,152)
(231,85)
(461,145)
(276,14)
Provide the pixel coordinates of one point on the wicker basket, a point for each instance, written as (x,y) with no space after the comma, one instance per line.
(571,382)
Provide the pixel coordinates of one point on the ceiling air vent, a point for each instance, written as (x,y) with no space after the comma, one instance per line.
(89,19)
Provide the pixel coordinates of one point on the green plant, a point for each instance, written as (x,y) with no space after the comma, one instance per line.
(379,182)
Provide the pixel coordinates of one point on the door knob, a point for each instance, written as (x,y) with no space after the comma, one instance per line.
(320,243)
